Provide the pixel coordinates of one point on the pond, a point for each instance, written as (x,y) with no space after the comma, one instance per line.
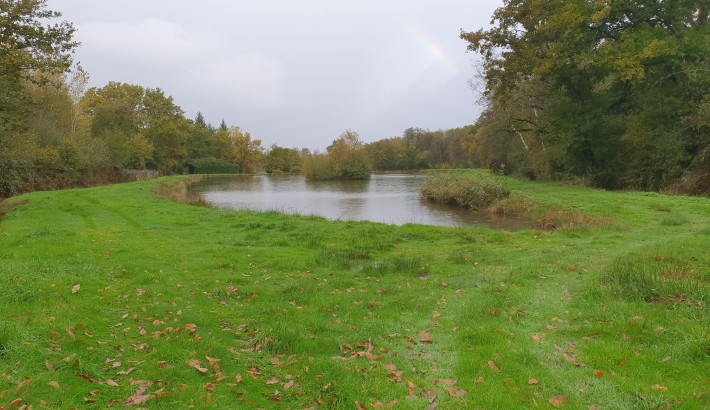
(391,199)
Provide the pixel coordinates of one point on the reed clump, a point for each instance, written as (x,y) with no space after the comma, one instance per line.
(484,191)
(177,191)
(475,191)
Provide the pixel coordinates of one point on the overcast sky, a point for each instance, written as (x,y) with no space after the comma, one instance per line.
(296,73)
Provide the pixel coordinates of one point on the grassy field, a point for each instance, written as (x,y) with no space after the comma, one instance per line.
(113,297)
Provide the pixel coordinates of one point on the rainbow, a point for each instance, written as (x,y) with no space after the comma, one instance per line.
(432,48)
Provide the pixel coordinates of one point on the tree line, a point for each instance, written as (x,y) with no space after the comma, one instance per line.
(56,133)
(613,93)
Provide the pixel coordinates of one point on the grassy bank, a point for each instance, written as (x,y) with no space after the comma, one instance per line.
(113,296)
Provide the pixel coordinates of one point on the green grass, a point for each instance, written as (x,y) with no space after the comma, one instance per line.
(182,306)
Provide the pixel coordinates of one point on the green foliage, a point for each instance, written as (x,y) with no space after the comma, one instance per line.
(280,160)
(475,191)
(604,91)
(346,159)
(211,165)
(422,149)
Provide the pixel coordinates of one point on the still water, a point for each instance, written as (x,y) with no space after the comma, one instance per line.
(390,199)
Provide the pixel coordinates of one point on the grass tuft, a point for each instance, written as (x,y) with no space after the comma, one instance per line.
(176,190)
(475,191)
(661,275)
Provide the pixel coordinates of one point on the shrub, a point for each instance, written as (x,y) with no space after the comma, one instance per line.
(212,165)
(472,190)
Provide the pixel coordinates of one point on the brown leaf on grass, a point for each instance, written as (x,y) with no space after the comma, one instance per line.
(557,401)
(75,288)
(53,384)
(359,406)
(213,363)
(432,406)
(139,397)
(271,381)
(533,382)
(111,383)
(410,389)
(195,364)
(379,405)
(435,315)
(493,366)
(163,364)
(238,378)
(288,384)
(127,371)
(209,387)
(424,337)
(598,374)
(21,385)
(659,387)
(447,382)
(254,371)
(16,402)
(454,392)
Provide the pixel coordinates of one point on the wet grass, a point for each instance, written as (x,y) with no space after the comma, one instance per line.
(115,297)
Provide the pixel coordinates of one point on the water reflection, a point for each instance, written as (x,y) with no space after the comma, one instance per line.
(391,199)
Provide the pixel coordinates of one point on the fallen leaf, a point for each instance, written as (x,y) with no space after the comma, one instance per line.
(659,387)
(359,406)
(195,364)
(493,366)
(75,288)
(455,393)
(410,388)
(213,363)
(21,385)
(598,374)
(558,401)
(424,337)
(271,381)
(209,387)
(288,384)
(533,382)
(127,371)
(111,383)
(138,397)
(53,384)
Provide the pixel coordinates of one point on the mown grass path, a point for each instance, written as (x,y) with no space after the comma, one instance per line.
(114,297)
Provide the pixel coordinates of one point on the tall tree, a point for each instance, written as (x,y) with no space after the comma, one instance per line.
(583,87)
(29,45)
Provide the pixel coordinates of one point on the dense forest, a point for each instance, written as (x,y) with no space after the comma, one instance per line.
(610,94)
